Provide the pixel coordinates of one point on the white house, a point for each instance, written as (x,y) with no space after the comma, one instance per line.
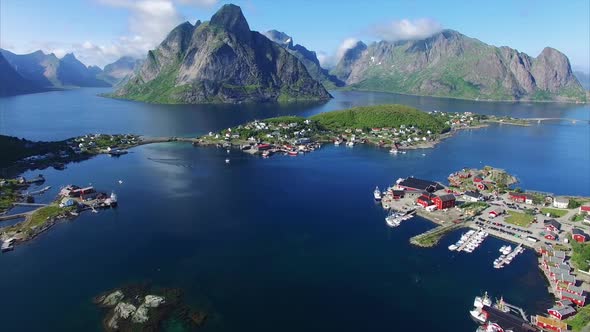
(561,202)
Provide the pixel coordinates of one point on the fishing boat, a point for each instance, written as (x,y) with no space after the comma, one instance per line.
(227,160)
(292,153)
(377,194)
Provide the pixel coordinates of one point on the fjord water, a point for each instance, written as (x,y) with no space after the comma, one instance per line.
(285,243)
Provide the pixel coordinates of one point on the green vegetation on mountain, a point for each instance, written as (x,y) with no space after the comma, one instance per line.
(450,64)
(220,61)
(381,116)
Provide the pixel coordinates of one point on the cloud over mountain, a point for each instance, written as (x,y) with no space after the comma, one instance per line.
(406,29)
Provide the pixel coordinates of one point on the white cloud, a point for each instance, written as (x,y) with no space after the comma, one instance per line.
(148,24)
(406,29)
(331,60)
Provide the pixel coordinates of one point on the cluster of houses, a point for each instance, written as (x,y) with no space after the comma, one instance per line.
(404,135)
(566,288)
(73,195)
(274,132)
(553,228)
(458,120)
(426,192)
(527,198)
(88,142)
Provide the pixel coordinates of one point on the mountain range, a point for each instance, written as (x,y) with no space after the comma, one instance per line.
(450,64)
(221,60)
(49,71)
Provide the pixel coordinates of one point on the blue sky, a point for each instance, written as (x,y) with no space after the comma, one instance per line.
(99,31)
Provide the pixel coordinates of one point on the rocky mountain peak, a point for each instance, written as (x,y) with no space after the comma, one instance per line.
(231,18)
(280,38)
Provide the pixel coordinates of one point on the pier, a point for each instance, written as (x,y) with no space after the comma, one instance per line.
(431,237)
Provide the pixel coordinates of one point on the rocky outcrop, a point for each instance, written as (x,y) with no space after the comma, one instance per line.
(220,61)
(450,64)
(307,57)
(142,308)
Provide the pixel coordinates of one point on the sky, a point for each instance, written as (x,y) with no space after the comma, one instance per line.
(100,31)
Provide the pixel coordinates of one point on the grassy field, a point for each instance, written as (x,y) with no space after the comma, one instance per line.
(555,213)
(519,219)
(581,319)
(380,116)
(581,255)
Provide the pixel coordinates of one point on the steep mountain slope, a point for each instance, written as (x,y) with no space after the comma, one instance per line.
(449,64)
(11,83)
(584,79)
(307,57)
(120,70)
(220,61)
(47,70)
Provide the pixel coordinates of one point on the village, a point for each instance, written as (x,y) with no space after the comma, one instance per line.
(555,227)
(41,155)
(291,135)
(69,203)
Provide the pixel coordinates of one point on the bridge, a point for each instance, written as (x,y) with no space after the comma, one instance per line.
(573,121)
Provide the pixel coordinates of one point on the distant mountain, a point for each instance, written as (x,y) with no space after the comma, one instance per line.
(12,83)
(450,64)
(220,61)
(47,70)
(307,57)
(583,78)
(120,70)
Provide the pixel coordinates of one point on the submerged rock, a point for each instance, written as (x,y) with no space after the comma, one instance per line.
(141,308)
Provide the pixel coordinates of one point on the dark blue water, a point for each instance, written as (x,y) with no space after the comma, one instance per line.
(287,244)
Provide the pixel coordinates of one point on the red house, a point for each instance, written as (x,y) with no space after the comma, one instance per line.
(517,197)
(444,201)
(579,300)
(585,208)
(262,147)
(561,312)
(552,225)
(426,199)
(551,236)
(579,235)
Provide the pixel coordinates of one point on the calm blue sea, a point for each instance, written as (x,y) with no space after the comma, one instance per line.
(278,244)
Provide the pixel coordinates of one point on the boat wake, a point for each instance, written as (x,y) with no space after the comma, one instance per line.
(172,161)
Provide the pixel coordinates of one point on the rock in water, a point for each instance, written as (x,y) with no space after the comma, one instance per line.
(450,64)
(112,299)
(220,61)
(153,301)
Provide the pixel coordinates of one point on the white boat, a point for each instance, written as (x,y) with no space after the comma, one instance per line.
(337,142)
(393,151)
(350,143)
(453,247)
(227,161)
(479,315)
(377,194)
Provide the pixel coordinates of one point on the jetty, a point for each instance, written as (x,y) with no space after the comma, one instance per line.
(431,237)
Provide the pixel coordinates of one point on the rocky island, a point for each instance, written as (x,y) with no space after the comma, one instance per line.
(220,61)
(141,307)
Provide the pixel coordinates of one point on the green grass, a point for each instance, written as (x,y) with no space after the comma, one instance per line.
(555,213)
(577,217)
(388,116)
(581,255)
(40,216)
(519,219)
(580,319)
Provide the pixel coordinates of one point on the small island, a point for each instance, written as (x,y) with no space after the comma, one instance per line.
(395,127)
(141,307)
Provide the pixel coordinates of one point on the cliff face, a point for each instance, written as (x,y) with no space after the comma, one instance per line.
(449,64)
(307,57)
(220,61)
(12,83)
